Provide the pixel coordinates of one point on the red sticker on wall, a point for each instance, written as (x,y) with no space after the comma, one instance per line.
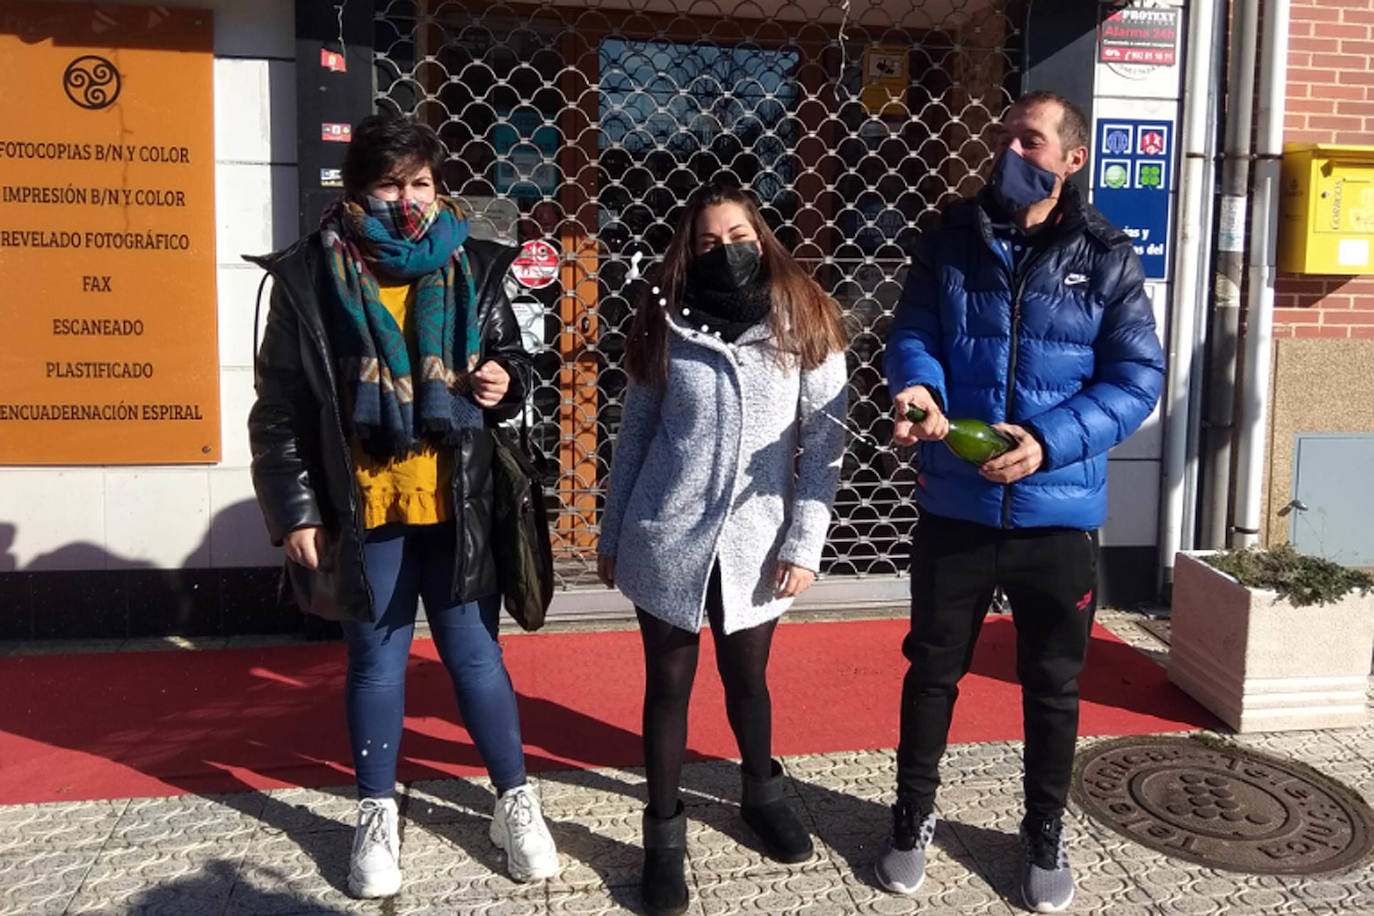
(537,264)
(333,61)
(335,133)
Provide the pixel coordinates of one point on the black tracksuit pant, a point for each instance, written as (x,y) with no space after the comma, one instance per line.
(1049,576)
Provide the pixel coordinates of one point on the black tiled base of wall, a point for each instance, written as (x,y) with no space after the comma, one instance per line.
(99,604)
(1127,577)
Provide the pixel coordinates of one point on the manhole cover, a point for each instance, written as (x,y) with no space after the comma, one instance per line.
(1223,807)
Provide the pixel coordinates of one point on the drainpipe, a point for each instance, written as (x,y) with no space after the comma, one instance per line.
(1251,450)
(1224,328)
(1202,81)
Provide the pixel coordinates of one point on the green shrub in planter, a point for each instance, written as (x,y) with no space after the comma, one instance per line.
(1301,579)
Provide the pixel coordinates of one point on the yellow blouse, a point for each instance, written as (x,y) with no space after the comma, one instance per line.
(416,489)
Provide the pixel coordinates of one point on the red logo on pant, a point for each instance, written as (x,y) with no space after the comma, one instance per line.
(1086,600)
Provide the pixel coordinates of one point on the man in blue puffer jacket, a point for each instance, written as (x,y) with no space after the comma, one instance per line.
(1024,308)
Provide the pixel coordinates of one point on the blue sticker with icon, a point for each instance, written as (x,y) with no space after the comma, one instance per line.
(1131,185)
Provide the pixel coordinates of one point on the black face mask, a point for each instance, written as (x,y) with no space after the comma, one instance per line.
(726,268)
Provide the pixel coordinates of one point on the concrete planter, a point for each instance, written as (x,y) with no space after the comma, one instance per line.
(1261,664)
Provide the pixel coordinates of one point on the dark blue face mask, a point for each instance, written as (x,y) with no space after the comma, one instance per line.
(1017,183)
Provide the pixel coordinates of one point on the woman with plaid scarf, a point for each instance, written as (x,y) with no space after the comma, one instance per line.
(389,352)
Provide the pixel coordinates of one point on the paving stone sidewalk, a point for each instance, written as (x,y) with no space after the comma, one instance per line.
(285,852)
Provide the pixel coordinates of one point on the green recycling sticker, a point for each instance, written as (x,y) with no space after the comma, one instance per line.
(1150,175)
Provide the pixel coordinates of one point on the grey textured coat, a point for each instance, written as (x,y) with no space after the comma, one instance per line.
(707,469)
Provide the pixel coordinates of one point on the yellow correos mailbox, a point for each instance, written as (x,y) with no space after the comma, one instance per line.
(1326,210)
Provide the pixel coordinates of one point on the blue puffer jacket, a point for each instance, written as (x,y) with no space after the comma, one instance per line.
(1072,355)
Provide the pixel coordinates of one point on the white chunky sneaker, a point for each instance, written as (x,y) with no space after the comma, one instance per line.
(517,826)
(374,866)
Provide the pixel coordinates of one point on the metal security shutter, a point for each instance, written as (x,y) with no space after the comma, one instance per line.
(588,124)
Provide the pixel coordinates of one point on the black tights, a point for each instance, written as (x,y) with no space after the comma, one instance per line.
(670,664)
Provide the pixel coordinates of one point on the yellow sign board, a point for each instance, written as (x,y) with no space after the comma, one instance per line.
(109,351)
(886,80)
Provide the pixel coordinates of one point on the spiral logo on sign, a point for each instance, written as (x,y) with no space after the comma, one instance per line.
(91,82)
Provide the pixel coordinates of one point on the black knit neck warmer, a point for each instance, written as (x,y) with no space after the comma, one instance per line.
(727,313)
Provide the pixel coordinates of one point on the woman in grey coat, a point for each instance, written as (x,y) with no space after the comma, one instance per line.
(736,363)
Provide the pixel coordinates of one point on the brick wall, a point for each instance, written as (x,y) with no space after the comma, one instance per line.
(1330,100)
(1320,306)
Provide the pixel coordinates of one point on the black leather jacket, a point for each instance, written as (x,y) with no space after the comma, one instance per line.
(302,464)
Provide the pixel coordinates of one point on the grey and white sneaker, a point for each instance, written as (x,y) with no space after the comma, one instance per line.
(902,868)
(517,826)
(1046,879)
(374,868)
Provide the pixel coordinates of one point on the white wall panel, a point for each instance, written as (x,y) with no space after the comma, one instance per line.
(54,519)
(1148,441)
(243,28)
(237,534)
(255,209)
(236,398)
(255,110)
(157,517)
(238,289)
(1132,504)
(251,28)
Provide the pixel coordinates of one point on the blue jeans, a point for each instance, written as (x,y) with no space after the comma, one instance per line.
(405,563)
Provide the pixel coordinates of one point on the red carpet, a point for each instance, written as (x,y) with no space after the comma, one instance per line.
(164,723)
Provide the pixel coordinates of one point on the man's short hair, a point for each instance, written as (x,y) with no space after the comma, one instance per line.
(1073,124)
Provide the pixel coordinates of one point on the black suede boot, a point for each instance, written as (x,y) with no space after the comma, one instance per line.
(663,885)
(784,836)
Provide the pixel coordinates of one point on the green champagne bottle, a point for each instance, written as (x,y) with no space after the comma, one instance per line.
(972,440)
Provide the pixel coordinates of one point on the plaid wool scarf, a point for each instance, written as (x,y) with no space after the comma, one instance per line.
(392,406)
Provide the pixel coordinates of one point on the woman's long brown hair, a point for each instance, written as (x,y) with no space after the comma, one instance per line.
(805,322)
